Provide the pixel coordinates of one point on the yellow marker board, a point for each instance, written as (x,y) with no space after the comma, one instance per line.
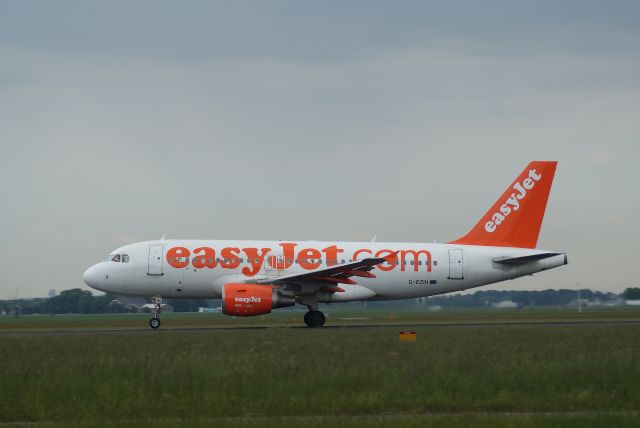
(408,336)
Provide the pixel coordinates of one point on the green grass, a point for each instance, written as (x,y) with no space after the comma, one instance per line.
(336,316)
(490,376)
(411,421)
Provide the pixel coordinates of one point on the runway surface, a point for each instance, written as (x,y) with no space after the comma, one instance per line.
(161,330)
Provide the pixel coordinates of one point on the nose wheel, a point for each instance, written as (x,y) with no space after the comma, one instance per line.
(314,319)
(157,309)
(154,322)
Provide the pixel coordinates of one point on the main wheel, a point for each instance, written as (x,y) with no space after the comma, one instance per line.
(154,322)
(314,319)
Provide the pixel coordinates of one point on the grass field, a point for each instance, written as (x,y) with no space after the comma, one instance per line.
(496,376)
(336,316)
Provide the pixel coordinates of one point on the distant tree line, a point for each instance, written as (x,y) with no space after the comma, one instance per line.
(80,301)
(631,294)
(520,297)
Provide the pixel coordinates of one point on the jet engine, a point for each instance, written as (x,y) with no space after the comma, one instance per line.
(247,300)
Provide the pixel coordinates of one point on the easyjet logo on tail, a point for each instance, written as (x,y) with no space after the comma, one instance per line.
(513,201)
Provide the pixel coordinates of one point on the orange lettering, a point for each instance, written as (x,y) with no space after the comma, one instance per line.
(178,257)
(416,254)
(255,259)
(287,255)
(387,266)
(357,253)
(207,259)
(309,254)
(331,253)
(230,259)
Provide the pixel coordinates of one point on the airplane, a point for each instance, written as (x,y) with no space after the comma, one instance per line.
(254,277)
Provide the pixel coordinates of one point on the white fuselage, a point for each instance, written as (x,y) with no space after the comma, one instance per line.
(155,268)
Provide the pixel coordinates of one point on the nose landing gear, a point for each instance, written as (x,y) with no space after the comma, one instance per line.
(157,303)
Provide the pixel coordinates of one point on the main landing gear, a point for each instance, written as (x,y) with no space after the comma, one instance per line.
(157,303)
(314,318)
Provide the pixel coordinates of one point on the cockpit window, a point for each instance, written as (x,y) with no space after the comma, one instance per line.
(125,258)
(116,258)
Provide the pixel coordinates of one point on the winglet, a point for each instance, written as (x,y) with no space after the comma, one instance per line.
(516,217)
(391,258)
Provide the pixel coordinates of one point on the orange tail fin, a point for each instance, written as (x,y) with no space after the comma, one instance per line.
(516,217)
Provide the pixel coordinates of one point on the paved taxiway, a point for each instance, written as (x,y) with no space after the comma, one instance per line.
(91,332)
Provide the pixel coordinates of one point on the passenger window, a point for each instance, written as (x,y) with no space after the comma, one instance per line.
(125,258)
(116,258)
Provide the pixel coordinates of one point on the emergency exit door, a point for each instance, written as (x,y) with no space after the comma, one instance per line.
(456,264)
(155,260)
(274,264)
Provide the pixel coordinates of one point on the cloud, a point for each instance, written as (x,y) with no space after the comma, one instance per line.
(337,131)
(617,220)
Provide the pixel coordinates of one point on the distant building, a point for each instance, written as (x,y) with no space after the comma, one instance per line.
(632,302)
(136,304)
(128,304)
(52,293)
(505,304)
(207,309)
(596,302)
(150,307)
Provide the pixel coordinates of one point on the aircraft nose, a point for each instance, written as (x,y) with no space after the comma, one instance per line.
(91,276)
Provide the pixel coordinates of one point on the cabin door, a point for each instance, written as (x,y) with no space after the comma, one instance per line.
(456,264)
(155,260)
(274,264)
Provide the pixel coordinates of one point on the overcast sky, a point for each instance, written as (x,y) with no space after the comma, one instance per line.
(122,121)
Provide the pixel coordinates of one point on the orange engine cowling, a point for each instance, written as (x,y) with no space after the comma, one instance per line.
(247,300)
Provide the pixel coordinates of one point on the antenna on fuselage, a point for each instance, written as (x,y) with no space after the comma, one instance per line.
(163,236)
(374,238)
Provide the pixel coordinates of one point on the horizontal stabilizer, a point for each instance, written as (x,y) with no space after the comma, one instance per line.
(524,259)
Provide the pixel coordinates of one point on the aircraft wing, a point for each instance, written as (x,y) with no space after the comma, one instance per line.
(331,276)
